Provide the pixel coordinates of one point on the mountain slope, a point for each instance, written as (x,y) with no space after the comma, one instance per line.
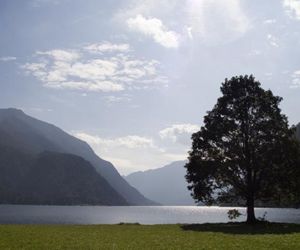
(33,136)
(166,185)
(52,178)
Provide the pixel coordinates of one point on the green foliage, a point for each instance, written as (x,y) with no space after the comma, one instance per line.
(233,214)
(205,236)
(298,132)
(245,150)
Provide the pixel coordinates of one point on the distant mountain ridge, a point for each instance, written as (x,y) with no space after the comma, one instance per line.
(31,136)
(166,185)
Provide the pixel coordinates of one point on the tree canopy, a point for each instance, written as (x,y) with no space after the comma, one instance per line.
(245,151)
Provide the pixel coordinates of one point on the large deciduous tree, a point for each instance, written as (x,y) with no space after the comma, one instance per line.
(245,151)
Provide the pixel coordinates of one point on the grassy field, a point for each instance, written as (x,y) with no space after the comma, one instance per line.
(204,236)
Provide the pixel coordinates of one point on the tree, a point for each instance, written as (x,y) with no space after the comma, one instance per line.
(244,149)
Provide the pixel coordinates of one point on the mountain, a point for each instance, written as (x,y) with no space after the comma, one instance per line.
(52,178)
(166,185)
(31,136)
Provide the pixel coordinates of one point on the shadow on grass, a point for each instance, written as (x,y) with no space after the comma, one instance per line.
(243,228)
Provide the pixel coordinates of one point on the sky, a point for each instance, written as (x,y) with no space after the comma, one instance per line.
(135,78)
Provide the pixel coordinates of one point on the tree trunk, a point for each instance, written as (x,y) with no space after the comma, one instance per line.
(250,210)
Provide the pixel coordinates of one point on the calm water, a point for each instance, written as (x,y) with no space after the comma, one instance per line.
(25,214)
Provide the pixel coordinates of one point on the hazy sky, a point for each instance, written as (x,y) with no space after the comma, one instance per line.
(135,78)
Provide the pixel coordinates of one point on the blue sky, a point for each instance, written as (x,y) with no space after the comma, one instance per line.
(135,78)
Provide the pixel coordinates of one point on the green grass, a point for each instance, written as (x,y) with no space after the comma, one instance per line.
(126,236)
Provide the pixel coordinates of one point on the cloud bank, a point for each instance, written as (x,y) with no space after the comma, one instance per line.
(209,22)
(7,58)
(292,8)
(179,133)
(154,28)
(130,153)
(103,67)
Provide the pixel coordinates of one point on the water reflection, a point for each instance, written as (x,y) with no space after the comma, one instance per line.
(27,214)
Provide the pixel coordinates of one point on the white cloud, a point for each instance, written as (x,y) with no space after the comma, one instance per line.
(216,21)
(7,58)
(37,110)
(111,99)
(273,40)
(268,75)
(107,47)
(153,27)
(295,80)
(130,153)
(179,132)
(255,52)
(134,141)
(78,70)
(149,8)
(34,66)
(61,55)
(292,8)
(130,141)
(104,86)
(210,22)
(189,32)
(269,21)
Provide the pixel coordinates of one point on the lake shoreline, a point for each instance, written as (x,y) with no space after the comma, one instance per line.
(89,205)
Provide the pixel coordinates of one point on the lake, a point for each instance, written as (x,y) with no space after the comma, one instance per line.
(28,214)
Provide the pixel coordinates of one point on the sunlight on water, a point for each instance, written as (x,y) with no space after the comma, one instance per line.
(131,214)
